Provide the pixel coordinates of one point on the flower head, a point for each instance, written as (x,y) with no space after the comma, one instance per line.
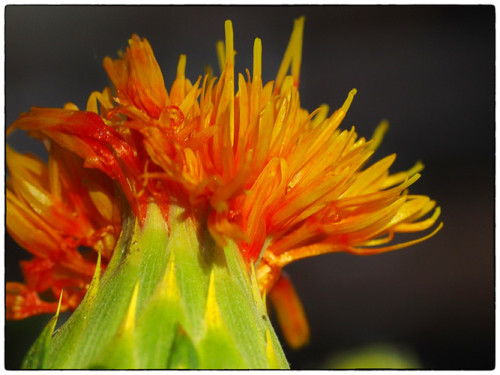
(242,156)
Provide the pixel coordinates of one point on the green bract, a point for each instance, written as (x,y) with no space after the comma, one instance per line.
(169,298)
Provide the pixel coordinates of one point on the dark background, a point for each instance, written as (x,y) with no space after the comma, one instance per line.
(430,70)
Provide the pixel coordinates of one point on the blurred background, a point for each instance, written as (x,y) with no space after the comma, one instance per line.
(429,70)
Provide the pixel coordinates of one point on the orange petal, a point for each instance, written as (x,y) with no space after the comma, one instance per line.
(22,302)
(138,78)
(291,316)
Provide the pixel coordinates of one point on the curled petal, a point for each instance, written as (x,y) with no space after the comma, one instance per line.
(291,316)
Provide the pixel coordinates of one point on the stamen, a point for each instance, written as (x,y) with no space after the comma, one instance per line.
(181,66)
(221,55)
(348,101)
(378,135)
(257,58)
(229,42)
(229,70)
(292,55)
(297,53)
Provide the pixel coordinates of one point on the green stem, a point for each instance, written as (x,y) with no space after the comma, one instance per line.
(169,298)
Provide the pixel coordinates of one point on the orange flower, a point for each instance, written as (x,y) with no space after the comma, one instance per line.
(253,166)
(56,211)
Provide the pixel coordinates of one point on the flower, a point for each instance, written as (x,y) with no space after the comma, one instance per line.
(253,167)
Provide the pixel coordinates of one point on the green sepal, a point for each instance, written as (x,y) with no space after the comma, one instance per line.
(170,298)
(158,323)
(38,353)
(218,350)
(183,354)
(120,351)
